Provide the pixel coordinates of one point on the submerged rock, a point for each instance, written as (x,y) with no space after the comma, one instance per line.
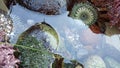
(44,33)
(3,6)
(33,54)
(95,62)
(49,7)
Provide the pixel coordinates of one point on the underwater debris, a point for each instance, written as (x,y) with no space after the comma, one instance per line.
(84,11)
(59,63)
(7,57)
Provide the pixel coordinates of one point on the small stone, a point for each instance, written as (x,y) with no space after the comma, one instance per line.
(95,62)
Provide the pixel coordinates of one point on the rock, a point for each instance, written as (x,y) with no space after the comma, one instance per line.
(33,54)
(95,62)
(49,7)
(3,6)
(45,33)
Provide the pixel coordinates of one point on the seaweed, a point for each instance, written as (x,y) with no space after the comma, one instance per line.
(32,53)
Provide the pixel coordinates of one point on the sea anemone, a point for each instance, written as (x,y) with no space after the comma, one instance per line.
(84,11)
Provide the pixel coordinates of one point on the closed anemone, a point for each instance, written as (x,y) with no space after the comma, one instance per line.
(85,12)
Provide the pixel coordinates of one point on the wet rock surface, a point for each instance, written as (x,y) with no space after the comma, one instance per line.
(44,33)
(49,7)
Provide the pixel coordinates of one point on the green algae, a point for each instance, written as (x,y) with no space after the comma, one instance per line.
(33,54)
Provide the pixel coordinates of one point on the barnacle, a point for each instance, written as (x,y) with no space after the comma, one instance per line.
(5,23)
(84,11)
(5,27)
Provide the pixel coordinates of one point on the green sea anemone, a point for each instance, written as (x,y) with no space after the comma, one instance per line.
(84,11)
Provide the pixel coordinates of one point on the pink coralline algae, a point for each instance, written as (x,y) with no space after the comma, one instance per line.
(114,13)
(7,58)
(2,36)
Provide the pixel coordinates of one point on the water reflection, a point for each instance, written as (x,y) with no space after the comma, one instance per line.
(77,41)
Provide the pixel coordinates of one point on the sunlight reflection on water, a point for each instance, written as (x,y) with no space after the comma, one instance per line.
(77,40)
